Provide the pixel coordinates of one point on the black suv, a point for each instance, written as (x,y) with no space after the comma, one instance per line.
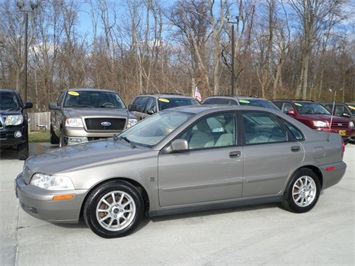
(13,122)
(146,105)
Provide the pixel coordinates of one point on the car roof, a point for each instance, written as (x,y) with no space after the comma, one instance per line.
(293,100)
(236,97)
(89,89)
(165,95)
(8,90)
(195,109)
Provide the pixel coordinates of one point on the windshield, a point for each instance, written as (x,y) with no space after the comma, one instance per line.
(352,108)
(165,103)
(93,99)
(260,103)
(8,101)
(306,108)
(152,130)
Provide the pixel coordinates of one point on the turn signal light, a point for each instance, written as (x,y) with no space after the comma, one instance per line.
(63,197)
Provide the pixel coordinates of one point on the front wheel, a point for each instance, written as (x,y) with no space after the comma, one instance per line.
(303,191)
(23,150)
(114,209)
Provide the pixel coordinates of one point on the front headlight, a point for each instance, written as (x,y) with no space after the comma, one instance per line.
(14,120)
(131,122)
(320,124)
(74,122)
(52,182)
(351,124)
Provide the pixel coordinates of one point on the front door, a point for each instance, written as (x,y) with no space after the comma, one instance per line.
(210,171)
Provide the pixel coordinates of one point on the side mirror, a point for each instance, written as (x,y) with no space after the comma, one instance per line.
(179,145)
(150,112)
(28,105)
(53,106)
(290,112)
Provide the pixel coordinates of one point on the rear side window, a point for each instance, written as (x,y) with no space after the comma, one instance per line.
(297,134)
(262,127)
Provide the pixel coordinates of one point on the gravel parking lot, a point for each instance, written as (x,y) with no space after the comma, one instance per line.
(257,235)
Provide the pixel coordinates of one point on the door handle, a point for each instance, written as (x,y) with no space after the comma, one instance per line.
(295,148)
(234,154)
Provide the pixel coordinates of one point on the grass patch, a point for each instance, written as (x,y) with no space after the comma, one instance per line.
(38,136)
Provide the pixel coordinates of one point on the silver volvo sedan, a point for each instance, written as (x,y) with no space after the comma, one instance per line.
(184,159)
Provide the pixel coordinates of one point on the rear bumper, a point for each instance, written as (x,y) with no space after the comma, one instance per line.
(332,174)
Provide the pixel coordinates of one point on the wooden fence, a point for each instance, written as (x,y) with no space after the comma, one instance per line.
(38,121)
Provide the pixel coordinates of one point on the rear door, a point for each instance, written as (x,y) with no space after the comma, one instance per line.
(268,141)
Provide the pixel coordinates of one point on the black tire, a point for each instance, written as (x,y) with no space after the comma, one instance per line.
(61,140)
(302,192)
(123,215)
(53,137)
(22,150)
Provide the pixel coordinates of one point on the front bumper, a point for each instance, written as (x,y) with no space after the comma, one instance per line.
(11,136)
(79,135)
(39,203)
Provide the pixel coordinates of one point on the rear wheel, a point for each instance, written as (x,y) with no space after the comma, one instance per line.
(114,209)
(303,191)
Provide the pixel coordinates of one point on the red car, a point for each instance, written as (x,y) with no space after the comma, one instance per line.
(317,117)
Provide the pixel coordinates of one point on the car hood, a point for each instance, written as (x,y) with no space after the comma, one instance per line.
(80,156)
(323,118)
(97,112)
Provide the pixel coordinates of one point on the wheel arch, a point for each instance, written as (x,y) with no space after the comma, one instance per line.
(313,168)
(134,183)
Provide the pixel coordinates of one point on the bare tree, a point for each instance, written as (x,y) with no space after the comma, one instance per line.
(314,16)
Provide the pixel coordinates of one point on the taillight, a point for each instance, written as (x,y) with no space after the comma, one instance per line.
(342,145)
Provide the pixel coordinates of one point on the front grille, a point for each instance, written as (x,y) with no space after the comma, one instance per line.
(102,123)
(343,125)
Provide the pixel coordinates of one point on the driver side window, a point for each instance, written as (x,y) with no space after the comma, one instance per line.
(212,131)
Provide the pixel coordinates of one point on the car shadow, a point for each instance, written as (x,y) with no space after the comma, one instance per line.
(216,212)
(8,154)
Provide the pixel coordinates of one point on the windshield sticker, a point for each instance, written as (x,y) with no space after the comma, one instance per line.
(298,104)
(74,93)
(244,101)
(164,100)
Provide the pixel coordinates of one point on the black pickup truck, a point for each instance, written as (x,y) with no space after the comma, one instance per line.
(85,114)
(14,122)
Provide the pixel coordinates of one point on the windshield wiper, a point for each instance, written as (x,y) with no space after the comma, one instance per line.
(127,140)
